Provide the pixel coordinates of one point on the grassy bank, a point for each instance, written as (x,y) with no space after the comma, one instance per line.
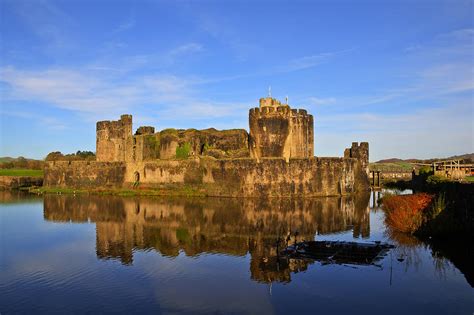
(469,179)
(20,172)
(186,191)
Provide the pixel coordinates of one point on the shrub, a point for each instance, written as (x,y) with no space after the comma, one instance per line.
(78,156)
(435,179)
(425,170)
(406,213)
(182,152)
(439,204)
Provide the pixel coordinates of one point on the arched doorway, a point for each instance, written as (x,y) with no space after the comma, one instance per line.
(136,177)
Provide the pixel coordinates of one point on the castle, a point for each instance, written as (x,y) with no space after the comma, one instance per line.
(276,130)
(275,158)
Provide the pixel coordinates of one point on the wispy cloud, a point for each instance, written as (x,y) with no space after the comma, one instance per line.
(92,95)
(126,25)
(321,101)
(435,132)
(437,81)
(186,49)
(457,42)
(48,22)
(159,60)
(311,61)
(307,62)
(48,122)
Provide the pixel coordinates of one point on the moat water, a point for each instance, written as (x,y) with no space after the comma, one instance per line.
(103,254)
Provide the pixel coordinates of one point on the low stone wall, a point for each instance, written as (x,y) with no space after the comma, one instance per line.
(15,182)
(84,174)
(234,177)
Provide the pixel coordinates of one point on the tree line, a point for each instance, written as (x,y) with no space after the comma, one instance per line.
(24,163)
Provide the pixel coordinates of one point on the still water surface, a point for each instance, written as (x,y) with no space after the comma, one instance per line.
(79,254)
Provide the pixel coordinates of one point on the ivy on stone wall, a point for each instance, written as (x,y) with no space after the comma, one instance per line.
(182,152)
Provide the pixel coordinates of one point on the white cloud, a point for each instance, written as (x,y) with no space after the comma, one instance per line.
(311,61)
(321,101)
(186,48)
(128,24)
(424,133)
(308,61)
(96,96)
(48,22)
(48,122)
(63,88)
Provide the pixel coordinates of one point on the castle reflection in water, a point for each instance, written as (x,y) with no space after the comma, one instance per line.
(212,225)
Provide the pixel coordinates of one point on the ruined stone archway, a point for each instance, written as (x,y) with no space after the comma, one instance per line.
(136,177)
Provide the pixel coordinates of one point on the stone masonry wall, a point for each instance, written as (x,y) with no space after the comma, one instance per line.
(16,182)
(232,177)
(278,131)
(115,142)
(84,174)
(360,152)
(113,139)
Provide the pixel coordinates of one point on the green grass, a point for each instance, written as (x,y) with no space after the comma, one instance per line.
(392,166)
(20,172)
(469,178)
(173,190)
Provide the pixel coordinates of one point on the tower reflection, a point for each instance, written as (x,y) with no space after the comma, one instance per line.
(212,225)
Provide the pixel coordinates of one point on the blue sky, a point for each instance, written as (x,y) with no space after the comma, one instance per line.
(399,74)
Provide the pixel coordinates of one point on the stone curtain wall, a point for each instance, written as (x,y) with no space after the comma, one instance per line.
(233,177)
(15,182)
(115,142)
(84,174)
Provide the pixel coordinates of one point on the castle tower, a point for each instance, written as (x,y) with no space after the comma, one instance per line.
(113,139)
(276,130)
(360,152)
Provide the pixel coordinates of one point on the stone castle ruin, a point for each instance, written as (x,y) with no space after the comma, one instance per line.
(276,158)
(276,130)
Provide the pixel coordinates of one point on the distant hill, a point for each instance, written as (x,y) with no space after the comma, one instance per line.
(392,160)
(4,159)
(467,157)
(400,164)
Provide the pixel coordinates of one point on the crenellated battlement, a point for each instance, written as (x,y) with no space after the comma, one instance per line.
(278,130)
(283,111)
(107,124)
(145,130)
(269,102)
(112,137)
(360,152)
